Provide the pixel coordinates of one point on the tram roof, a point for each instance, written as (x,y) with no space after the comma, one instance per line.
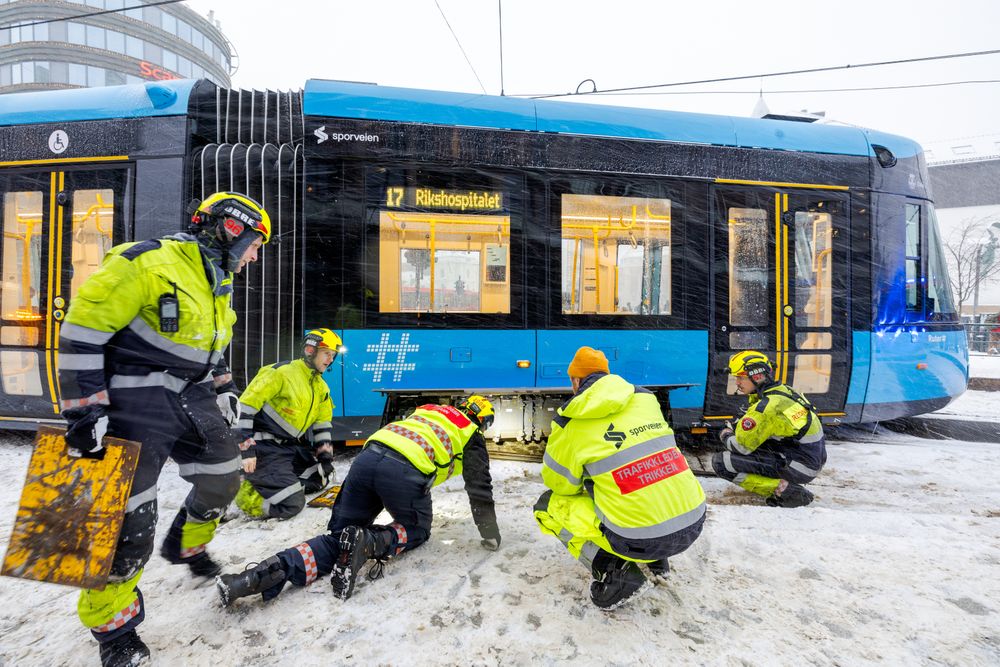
(340,99)
(156,98)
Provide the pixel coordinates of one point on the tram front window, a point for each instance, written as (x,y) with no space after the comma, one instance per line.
(615,255)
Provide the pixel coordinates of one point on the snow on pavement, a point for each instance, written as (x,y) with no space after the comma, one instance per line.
(896,562)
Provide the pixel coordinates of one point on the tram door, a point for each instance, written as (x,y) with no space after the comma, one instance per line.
(781,275)
(57,226)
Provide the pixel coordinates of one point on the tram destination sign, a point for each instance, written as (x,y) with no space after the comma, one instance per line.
(441,199)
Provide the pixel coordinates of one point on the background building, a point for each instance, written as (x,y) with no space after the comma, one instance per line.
(169,41)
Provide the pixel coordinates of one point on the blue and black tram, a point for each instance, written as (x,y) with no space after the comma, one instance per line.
(462,242)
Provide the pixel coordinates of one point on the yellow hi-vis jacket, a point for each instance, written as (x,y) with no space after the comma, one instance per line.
(611,440)
(287,400)
(113,336)
(432,439)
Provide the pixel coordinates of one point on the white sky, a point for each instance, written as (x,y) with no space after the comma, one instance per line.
(550,46)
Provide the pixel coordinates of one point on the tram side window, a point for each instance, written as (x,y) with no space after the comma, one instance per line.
(439,262)
(912,257)
(615,255)
(22,252)
(939,298)
(93,225)
(748,276)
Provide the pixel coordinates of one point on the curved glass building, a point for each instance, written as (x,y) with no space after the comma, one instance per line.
(46,44)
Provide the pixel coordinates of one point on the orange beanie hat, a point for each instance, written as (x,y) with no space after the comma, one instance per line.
(587,360)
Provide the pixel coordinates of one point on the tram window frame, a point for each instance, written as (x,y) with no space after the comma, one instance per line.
(622,187)
(913,259)
(378,178)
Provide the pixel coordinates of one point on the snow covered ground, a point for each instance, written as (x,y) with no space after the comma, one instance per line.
(974,405)
(897,562)
(984,366)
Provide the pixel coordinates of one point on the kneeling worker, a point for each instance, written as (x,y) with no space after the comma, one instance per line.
(620,491)
(778,444)
(395,471)
(285,420)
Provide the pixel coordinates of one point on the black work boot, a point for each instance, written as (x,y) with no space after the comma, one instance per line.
(616,581)
(357,545)
(795,495)
(659,568)
(201,564)
(255,579)
(126,650)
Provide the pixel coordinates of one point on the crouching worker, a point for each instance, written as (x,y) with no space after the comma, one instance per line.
(395,471)
(778,444)
(620,493)
(285,419)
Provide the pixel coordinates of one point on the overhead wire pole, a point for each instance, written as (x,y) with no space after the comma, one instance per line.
(500,11)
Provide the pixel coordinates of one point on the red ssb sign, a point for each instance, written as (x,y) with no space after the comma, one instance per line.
(650,470)
(151,71)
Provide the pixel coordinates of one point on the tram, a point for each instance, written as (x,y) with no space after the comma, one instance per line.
(465,242)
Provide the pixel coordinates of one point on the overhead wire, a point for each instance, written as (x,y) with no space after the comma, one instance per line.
(476,74)
(804,90)
(89,14)
(743,77)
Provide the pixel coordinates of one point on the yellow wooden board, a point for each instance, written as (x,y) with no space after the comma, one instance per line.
(71,512)
(327,498)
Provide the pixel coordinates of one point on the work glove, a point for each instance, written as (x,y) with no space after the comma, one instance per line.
(326,470)
(725,433)
(229,406)
(85,435)
(491,536)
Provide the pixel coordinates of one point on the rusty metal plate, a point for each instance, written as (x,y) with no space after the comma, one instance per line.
(70,513)
(327,498)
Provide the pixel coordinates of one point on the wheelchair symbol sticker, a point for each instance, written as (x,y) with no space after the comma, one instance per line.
(58,142)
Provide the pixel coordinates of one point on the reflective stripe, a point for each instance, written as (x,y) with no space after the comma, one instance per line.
(81,362)
(264,435)
(247,409)
(401,536)
(147,334)
(560,469)
(414,437)
(100,398)
(308,562)
(281,495)
(323,425)
(121,618)
(733,444)
(443,438)
(727,461)
(740,478)
(85,334)
(631,455)
(323,437)
(565,536)
(157,379)
(798,466)
(139,499)
(224,468)
(245,423)
(280,421)
(662,529)
(588,552)
(308,472)
(804,440)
